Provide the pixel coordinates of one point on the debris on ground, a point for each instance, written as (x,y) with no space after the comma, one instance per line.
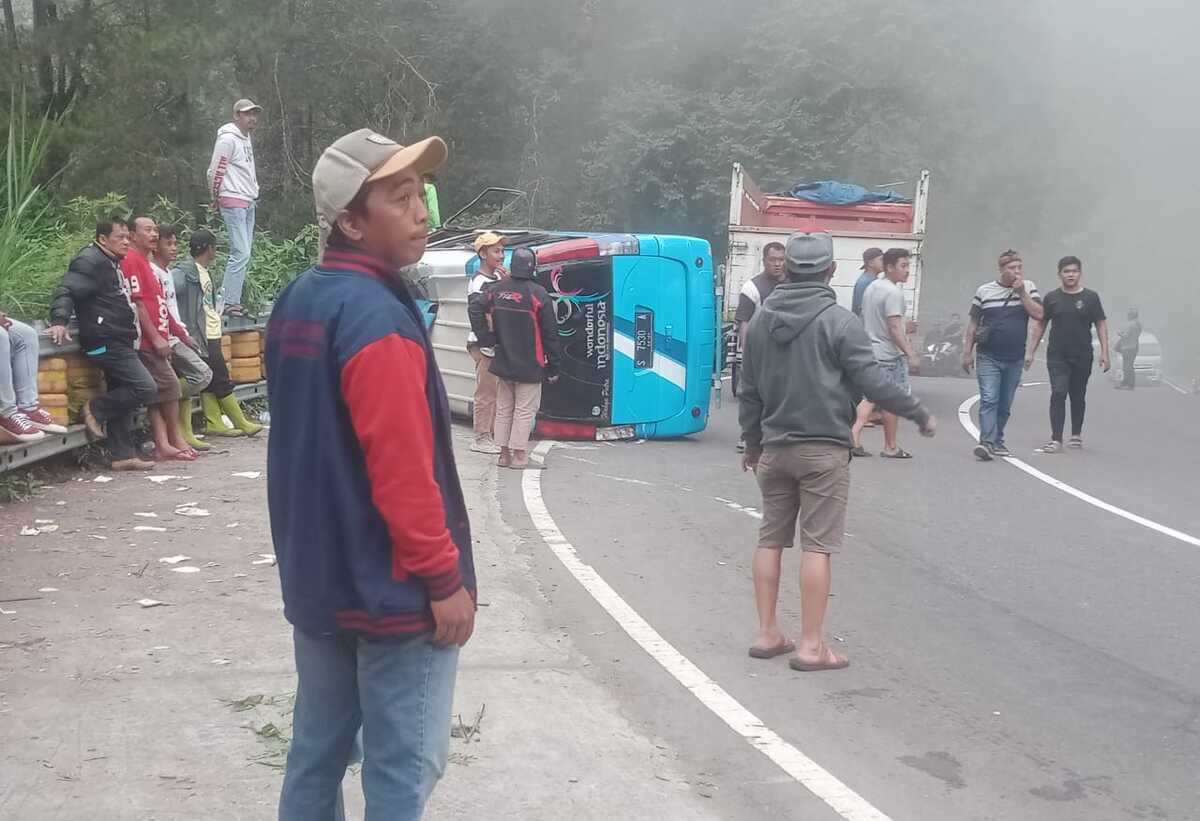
(151,603)
(185,569)
(174,559)
(149,529)
(265,558)
(247,474)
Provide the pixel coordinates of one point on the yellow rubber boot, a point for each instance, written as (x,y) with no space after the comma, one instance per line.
(234,411)
(212,415)
(185,422)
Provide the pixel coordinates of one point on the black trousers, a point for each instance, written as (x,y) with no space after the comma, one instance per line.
(221,385)
(130,386)
(1068,378)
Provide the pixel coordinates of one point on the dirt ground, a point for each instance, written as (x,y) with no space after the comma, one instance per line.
(115,708)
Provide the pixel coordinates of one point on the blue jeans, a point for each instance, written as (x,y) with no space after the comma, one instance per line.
(400,692)
(239,224)
(998,383)
(18,367)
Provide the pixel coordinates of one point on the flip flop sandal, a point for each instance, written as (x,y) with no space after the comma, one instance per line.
(860,452)
(900,453)
(771,652)
(805,667)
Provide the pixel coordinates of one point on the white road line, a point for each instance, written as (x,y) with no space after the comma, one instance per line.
(732,505)
(844,801)
(964,418)
(578,459)
(1173,386)
(625,480)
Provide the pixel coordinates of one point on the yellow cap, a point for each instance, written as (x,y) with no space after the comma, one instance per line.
(487,238)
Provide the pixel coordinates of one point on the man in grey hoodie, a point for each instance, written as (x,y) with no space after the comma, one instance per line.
(234,183)
(806,363)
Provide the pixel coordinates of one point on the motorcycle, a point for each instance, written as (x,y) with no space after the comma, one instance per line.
(941,358)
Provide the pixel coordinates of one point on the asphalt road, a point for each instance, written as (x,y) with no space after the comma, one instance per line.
(1016,653)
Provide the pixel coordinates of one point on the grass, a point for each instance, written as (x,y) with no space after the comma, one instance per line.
(40,234)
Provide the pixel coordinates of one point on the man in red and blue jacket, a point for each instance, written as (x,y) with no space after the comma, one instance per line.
(367,514)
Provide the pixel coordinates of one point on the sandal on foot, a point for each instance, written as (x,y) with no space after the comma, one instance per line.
(860,452)
(829,661)
(784,646)
(900,453)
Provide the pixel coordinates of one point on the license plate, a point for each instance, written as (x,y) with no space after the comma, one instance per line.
(643,339)
(615,433)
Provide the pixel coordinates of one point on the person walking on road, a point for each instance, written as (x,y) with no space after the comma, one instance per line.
(999,329)
(516,317)
(1070,311)
(884,311)
(1128,345)
(22,418)
(872,267)
(233,182)
(489,247)
(367,512)
(806,359)
(198,310)
(755,292)
(94,290)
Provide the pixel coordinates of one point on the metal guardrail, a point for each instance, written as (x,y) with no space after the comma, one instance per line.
(22,455)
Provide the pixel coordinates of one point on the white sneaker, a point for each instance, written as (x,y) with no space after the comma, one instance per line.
(484,444)
(1075,443)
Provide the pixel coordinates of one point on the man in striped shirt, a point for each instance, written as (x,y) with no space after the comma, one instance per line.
(999,328)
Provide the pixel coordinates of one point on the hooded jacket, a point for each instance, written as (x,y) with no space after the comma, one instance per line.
(516,316)
(231,171)
(806,362)
(96,292)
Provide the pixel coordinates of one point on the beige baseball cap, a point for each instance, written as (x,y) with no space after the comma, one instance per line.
(360,157)
(243,105)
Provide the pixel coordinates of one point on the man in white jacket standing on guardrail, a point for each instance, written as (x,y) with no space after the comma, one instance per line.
(234,184)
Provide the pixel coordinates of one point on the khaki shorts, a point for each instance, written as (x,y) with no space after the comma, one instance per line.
(806,483)
(164,377)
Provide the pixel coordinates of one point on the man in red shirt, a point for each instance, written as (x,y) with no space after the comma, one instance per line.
(158,329)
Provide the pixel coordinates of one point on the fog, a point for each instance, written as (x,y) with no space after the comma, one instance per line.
(1114,112)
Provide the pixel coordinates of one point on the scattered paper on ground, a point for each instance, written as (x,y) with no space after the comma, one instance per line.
(187,569)
(149,529)
(166,477)
(26,530)
(247,474)
(150,602)
(47,589)
(102,479)
(174,559)
(146,515)
(265,558)
(188,510)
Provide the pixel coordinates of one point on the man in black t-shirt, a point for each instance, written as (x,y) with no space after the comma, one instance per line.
(1070,312)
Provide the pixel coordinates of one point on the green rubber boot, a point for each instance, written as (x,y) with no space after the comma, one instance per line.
(234,411)
(185,421)
(212,415)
